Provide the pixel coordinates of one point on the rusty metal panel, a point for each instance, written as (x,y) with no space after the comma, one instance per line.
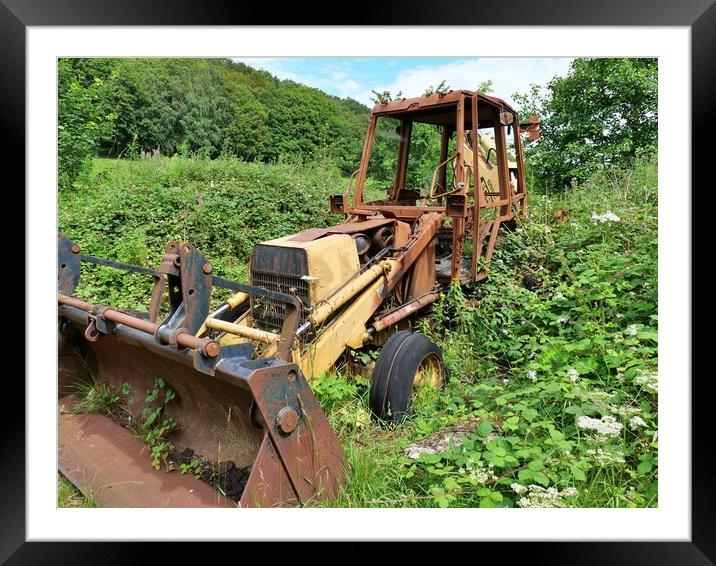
(268,484)
(307,445)
(422,276)
(108,464)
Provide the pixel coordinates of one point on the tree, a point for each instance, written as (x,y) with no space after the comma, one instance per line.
(203,112)
(603,112)
(247,133)
(485,87)
(83,120)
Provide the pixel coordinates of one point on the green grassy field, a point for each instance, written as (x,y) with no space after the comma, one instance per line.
(556,388)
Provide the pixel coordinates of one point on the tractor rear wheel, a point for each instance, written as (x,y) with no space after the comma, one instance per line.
(408,360)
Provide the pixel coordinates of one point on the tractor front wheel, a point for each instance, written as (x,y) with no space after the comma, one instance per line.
(407,360)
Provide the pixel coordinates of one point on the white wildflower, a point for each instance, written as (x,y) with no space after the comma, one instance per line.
(648,379)
(631,330)
(479,473)
(607,426)
(606,457)
(558,297)
(547,229)
(505,381)
(620,315)
(635,422)
(211,184)
(518,488)
(608,216)
(573,374)
(563,319)
(625,410)
(532,374)
(538,496)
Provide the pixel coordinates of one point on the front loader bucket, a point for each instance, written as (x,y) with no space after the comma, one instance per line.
(255,421)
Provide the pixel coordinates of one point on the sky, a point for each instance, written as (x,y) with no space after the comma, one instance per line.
(356,77)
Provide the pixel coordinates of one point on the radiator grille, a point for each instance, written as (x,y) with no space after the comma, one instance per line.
(269,314)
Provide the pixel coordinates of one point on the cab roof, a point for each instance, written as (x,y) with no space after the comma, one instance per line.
(440,108)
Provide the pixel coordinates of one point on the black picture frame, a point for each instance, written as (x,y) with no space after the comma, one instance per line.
(17,15)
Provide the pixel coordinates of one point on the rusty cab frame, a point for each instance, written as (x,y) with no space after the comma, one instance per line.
(475,210)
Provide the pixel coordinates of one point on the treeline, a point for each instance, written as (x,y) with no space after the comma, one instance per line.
(602,113)
(201,107)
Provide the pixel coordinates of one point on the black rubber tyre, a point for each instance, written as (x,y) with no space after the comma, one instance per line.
(391,388)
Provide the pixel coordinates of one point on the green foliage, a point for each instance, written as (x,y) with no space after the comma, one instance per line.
(99,397)
(485,87)
(385,96)
(84,117)
(152,428)
(206,108)
(442,88)
(193,467)
(223,206)
(69,496)
(345,399)
(96,397)
(199,108)
(604,112)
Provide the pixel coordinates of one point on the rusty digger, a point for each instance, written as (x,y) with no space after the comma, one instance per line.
(240,374)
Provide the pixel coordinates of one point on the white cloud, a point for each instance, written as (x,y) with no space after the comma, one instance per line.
(508,75)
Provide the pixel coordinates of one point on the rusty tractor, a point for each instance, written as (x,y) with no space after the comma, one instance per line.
(240,374)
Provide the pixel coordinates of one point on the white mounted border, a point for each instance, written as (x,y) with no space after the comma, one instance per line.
(670,521)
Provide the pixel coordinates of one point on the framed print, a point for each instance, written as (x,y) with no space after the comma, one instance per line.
(193,136)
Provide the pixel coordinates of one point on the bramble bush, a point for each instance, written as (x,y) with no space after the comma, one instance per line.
(131,209)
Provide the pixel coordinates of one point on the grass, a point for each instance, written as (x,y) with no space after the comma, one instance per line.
(95,397)
(68,496)
(559,383)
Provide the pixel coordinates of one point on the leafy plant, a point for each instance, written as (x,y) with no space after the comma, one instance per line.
(385,96)
(152,428)
(193,467)
(442,88)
